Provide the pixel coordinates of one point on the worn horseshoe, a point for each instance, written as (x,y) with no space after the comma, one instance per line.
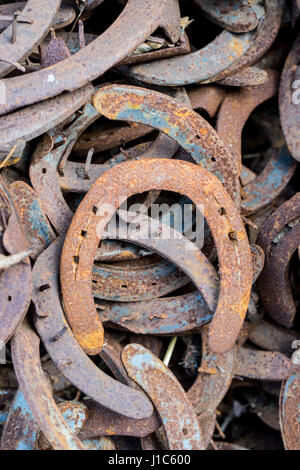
(66,352)
(223,57)
(15,281)
(40,15)
(136,280)
(213,380)
(33,121)
(135,177)
(136,22)
(196,67)
(36,390)
(238,17)
(65,16)
(279,236)
(289,103)
(261,365)
(186,127)
(38,231)
(176,412)
(47,174)
(289,416)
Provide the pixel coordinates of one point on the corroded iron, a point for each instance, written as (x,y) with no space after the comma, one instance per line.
(15,281)
(289,99)
(40,16)
(179,420)
(187,128)
(133,177)
(279,239)
(66,352)
(134,24)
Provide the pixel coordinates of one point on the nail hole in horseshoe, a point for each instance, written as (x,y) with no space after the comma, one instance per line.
(44,287)
(154,284)
(124,286)
(232,236)
(185,431)
(213,159)
(83,233)
(76,259)
(44,170)
(222,211)
(95,209)
(9,298)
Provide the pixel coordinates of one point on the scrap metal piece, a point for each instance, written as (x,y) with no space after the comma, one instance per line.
(289,99)
(289,403)
(206,63)
(237,16)
(213,380)
(271,337)
(270,17)
(37,393)
(15,281)
(96,210)
(136,280)
(65,16)
(41,14)
(166,316)
(38,231)
(249,76)
(20,429)
(102,421)
(136,22)
(262,365)
(176,412)
(274,286)
(30,122)
(66,352)
(235,111)
(216,63)
(186,127)
(279,239)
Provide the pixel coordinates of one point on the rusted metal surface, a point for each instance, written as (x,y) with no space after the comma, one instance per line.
(271,337)
(213,380)
(139,176)
(262,365)
(166,316)
(187,128)
(36,390)
(237,17)
(15,281)
(20,430)
(206,63)
(134,24)
(33,121)
(289,99)
(133,281)
(64,349)
(168,216)
(40,16)
(102,421)
(289,412)
(64,17)
(279,239)
(179,420)
(182,47)
(270,17)
(235,111)
(37,229)
(249,76)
